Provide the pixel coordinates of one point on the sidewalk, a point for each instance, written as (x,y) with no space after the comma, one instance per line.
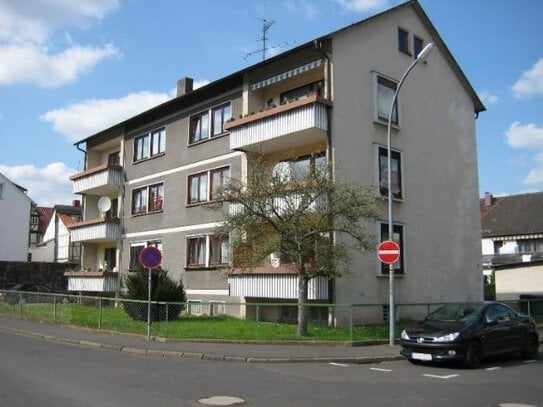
(233,352)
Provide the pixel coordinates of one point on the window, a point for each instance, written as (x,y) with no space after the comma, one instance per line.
(114,158)
(384,94)
(418,45)
(396,174)
(199,188)
(220,116)
(200,128)
(147,199)
(301,93)
(403,41)
(1,190)
(208,250)
(135,251)
(530,246)
(300,167)
(398,238)
(150,144)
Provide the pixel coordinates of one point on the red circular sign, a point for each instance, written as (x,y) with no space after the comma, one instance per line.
(150,257)
(388,252)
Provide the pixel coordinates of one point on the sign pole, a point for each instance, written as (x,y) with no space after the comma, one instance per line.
(149,307)
(389,253)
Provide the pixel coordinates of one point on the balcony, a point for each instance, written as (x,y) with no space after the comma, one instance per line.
(283,127)
(278,283)
(102,180)
(96,230)
(92,281)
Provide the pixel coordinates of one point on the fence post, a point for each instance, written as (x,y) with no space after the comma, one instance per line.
(20,305)
(351,322)
(100,314)
(167,320)
(54,309)
(529,309)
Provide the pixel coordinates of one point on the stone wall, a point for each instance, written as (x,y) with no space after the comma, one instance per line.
(51,274)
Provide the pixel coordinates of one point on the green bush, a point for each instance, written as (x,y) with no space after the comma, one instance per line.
(163,289)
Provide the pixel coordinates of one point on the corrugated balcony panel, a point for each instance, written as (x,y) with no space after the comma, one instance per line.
(102,180)
(88,281)
(96,230)
(278,286)
(286,126)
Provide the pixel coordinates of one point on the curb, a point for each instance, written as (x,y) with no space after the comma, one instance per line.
(202,356)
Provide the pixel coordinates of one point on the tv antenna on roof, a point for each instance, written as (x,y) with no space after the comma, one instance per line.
(266,25)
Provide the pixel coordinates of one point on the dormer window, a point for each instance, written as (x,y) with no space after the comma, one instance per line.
(418,45)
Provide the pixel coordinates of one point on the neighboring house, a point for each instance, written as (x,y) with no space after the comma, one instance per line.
(15,220)
(512,229)
(148,179)
(55,244)
(512,243)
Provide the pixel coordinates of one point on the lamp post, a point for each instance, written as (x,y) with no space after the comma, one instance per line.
(391,312)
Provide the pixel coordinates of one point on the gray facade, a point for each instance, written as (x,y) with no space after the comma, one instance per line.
(321,99)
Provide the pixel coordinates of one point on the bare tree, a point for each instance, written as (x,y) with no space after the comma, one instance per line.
(298,215)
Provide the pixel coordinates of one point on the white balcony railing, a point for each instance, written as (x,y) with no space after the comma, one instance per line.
(275,285)
(102,180)
(96,230)
(92,281)
(287,126)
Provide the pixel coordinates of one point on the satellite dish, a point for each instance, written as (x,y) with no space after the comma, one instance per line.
(104,205)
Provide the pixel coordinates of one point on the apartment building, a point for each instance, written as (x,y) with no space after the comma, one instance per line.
(148,179)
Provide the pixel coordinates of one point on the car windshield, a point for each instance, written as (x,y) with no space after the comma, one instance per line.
(455,312)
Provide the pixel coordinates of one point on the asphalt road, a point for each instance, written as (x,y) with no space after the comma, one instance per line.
(36,372)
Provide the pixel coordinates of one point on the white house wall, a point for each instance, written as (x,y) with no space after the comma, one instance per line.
(510,283)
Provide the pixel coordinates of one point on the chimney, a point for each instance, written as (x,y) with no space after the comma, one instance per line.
(76,203)
(489,199)
(184,86)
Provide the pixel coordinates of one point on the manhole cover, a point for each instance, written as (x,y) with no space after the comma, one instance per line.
(222,401)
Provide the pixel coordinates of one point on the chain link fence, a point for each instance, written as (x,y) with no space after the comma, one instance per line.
(221,320)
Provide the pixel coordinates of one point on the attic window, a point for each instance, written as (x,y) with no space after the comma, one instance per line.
(418,45)
(1,191)
(403,41)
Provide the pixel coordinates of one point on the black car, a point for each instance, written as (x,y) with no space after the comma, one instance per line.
(35,293)
(469,333)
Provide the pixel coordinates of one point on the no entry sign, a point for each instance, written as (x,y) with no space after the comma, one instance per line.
(150,257)
(388,252)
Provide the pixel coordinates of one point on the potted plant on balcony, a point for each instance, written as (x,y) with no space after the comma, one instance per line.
(167,296)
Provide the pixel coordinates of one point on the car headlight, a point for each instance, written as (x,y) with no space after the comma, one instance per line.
(404,335)
(447,338)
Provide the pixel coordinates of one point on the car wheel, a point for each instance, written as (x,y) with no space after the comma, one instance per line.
(474,355)
(531,348)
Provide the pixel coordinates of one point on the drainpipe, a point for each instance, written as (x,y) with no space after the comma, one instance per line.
(84,157)
(329,154)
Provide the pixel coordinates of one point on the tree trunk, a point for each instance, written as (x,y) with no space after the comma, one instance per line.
(301,329)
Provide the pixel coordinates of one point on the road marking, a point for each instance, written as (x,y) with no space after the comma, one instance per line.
(441,377)
(493,368)
(377,369)
(338,364)
(530,361)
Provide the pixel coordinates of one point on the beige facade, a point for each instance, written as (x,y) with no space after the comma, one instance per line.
(320,101)
(517,279)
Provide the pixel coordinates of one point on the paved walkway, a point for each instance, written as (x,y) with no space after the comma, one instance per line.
(235,352)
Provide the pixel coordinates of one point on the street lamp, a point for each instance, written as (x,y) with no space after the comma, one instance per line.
(391,312)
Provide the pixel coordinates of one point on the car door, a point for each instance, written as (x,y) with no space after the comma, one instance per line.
(501,330)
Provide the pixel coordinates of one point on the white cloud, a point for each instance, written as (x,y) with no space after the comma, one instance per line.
(488,98)
(199,84)
(531,81)
(80,120)
(36,20)
(26,30)
(524,136)
(363,5)
(308,10)
(34,64)
(535,176)
(46,186)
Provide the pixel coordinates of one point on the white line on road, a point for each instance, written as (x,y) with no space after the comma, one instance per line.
(338,364)
(377,369)
(441,377)
(493,368)
(530,361)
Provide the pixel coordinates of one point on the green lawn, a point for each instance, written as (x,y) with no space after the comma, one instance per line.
(190,326)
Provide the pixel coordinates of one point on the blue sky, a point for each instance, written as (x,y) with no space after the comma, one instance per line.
(71,68)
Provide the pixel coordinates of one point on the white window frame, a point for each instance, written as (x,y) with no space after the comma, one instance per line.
(378,147)
(149,138)
(207,260)
(147,188)
(210,113)
(376,118)
(208,174)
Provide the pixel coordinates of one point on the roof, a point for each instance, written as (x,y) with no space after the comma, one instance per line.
(45,215)
(514,215)
(20,190)
(236,79)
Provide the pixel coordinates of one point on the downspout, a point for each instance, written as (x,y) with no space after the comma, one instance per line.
(329,154)
(84,155)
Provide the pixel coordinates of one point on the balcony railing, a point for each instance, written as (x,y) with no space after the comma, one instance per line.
(92,281)
(96,230)
(286,126)
(102,180)
(271,282)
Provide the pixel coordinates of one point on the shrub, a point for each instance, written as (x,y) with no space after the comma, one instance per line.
(163,289)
